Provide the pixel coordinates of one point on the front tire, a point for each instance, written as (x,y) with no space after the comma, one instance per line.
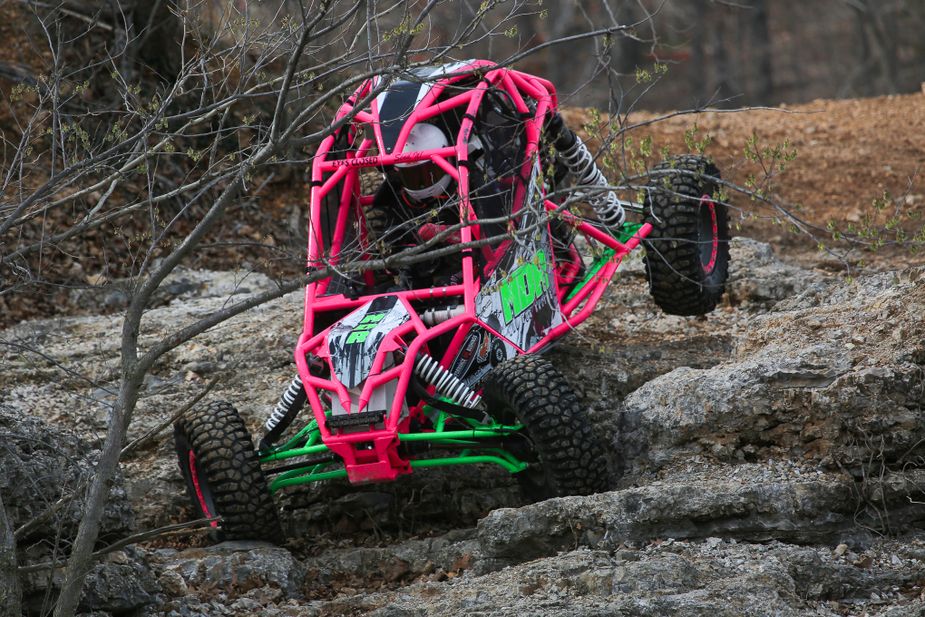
(687,252)
(567,457)
(223,475)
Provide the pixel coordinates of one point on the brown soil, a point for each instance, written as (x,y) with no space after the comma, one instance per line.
(848,153)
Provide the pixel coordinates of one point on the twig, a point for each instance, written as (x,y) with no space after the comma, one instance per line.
(135,538)
(27,527)
(163,425)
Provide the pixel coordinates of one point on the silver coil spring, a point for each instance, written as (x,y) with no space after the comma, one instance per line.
(445,382)
(432,317)
(606,204)
(285,403)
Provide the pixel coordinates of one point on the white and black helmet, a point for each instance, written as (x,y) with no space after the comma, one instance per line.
(423,179)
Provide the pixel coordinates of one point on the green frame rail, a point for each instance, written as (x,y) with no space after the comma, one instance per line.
(307,442)
(626,232)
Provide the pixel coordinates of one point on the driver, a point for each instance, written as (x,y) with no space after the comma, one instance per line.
(417,200)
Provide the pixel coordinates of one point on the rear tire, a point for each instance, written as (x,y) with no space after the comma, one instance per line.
(687,252)
(223,475)
(565,456)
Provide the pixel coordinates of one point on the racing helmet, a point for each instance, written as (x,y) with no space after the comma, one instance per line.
(423,179)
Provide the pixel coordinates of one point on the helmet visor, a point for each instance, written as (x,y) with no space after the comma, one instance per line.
(421,176)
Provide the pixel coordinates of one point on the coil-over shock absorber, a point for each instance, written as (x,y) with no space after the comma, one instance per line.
(580,162)
(288,407)
(434,316)
(446,383)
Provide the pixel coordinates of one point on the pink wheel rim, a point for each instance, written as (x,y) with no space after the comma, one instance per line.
(714,239)
(200,496)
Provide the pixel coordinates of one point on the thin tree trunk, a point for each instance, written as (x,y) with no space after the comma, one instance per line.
(884,42)
(721,59)
(10,591)
(559,72)
(761,68)
(878,53)
(866,61)
(699,55)
(158,44)
(147,30)
(629,53)
(82,552)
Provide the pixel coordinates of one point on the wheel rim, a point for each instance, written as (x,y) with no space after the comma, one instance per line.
(709,226)
(203,494)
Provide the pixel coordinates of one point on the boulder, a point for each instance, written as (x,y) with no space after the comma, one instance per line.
(231,569)
(835,378)
(685,578)
(42,463)
(122,584)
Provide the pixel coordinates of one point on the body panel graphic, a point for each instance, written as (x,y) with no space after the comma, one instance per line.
(354,342)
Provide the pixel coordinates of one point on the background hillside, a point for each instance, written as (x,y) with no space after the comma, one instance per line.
(770,455)
(689,55)
(849,154)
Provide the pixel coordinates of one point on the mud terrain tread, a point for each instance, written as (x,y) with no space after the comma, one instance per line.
(677,280)
(572,458)
(224,448)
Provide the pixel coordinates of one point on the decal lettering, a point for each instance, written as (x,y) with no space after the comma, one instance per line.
(524,286)
(355,342)
(366,161)
(362,329)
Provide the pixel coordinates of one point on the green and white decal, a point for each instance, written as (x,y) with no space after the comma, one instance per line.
(524,286)
(518,300)
(355,341)
(361,331)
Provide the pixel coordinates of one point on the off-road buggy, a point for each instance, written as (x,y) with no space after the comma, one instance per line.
(411,364)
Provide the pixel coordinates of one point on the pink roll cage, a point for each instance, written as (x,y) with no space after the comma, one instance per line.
(372,455)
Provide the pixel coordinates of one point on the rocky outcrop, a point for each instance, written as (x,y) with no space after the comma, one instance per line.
(770,458)
(231,569)
(755,503)
(669,577)
(42,464)
(836,377)
(757,278)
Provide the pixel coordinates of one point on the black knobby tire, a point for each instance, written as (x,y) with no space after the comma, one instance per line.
(223,475)
(567,457)
(687,252)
